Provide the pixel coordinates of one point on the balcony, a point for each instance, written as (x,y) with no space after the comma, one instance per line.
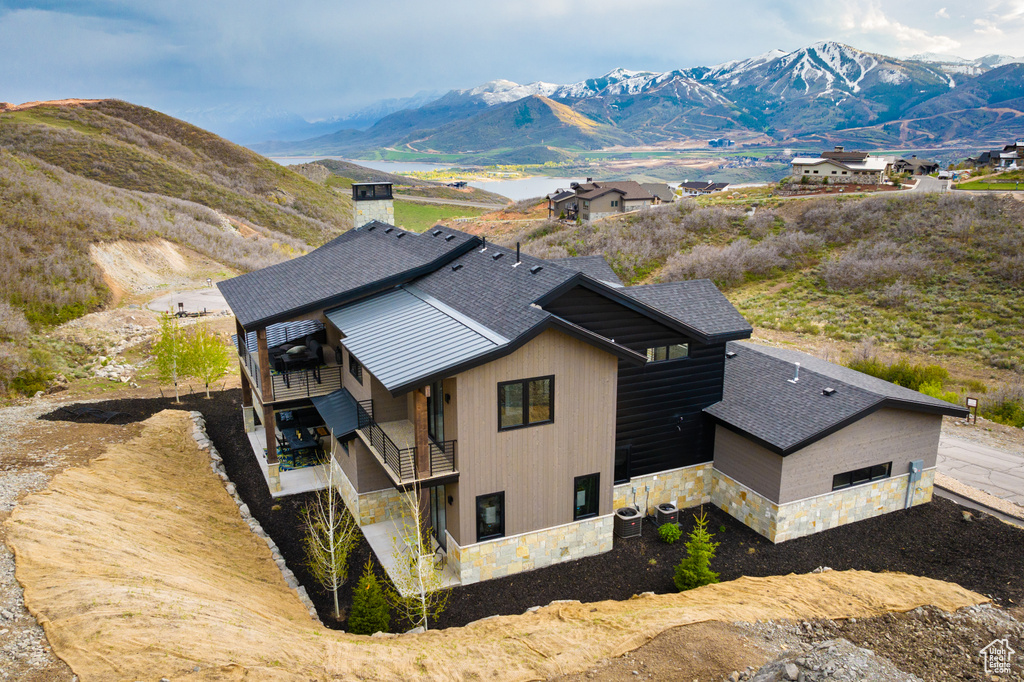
(304,380)
(393,444)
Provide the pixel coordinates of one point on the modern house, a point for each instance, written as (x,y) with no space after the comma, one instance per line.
(1011,156)
(562,202)
(693,189)
(840,165)
(915,166)
(596,200)
(528,399)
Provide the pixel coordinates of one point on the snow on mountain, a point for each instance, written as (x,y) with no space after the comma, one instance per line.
(502,91)
(730,69)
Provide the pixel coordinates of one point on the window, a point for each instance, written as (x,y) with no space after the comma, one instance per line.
(585,496)
(490,516)
(526,403)
(354,368)
(833,172)
(858,476)
(806,171)
(672,352)
(815,172)
(615,202)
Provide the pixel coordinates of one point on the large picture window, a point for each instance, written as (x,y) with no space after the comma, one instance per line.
(858,476)
(490,516)
(526,402)
(585,496)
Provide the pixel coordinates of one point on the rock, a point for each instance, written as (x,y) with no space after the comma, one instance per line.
(734,676)
(39,394)
(968,516)
(791,672)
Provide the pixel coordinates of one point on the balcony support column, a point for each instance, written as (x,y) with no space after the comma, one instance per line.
(422,463)
(248,417)
(263,353)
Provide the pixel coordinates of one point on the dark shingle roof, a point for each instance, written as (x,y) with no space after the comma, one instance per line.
(761,403)
(660,190)
(629,189)
(561,195)
(351,265)
(594,266)
(698,304)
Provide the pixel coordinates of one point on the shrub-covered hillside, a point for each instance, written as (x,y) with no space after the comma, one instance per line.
(940,274)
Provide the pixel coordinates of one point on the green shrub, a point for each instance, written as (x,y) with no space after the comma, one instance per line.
(370,611)
(934,389)
(695,569)
(669,533)
(902,373)
(1005,405)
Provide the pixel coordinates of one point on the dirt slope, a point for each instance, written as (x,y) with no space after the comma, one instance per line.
(139,567)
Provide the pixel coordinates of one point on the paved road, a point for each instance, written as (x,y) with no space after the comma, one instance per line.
(997,472)
(927,183)
(452,202)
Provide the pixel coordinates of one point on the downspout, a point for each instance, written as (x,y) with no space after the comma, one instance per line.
(916,467)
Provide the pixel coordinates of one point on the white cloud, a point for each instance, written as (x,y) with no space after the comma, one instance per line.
(942,14)
(987,27)
(873,21)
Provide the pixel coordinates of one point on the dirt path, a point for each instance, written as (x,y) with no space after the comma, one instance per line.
(131,562)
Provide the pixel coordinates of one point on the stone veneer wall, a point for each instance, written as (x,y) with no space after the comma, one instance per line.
(376,209)
(796,519)
(368,508)
(686,487)
(527,551)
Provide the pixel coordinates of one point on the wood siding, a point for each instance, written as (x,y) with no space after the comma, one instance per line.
(535,466)
(361,467)
(659,412)
(889,435)
(748,463)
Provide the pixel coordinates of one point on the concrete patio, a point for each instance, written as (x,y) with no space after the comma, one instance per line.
(387,540)
(294,481)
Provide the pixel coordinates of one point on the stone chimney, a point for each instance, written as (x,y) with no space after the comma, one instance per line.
(372,201)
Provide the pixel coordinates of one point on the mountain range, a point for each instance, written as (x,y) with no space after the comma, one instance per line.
(823,94)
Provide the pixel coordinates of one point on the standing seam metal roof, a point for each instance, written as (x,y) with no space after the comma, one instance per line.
(399,335)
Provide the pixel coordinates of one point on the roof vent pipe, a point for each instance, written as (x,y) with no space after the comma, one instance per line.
(796,377)
(485,245)
(517,252)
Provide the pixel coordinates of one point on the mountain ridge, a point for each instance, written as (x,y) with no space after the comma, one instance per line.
(809,94)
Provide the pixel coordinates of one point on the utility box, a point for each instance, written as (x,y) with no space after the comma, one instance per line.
(666,512)
(627,523)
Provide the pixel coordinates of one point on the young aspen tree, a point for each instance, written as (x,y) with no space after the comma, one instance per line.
(418,591)
(172,352)
(210,357)
(331,533)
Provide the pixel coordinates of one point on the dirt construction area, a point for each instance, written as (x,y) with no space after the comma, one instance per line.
(140,567)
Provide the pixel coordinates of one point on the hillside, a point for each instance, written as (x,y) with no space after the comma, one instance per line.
(826,91)
(74,175)
(930,274)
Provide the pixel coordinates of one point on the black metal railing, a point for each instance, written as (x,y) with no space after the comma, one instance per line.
(304,383)
(253,367)
(402,461)
(442,457)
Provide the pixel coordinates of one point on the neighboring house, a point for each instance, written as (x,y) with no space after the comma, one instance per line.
(529,399)
(692,189)
(915,166)
(562,201)
(595,200)
(843,166)
(661,192)
(1011,156)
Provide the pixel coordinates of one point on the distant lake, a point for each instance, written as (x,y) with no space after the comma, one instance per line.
(526,188)
(397,167)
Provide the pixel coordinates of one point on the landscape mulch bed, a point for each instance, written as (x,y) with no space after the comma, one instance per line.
(933,540)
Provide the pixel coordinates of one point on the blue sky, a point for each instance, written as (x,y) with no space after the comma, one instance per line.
(322,59)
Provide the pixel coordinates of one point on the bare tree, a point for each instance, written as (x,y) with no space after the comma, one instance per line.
(418,591)
(330,536)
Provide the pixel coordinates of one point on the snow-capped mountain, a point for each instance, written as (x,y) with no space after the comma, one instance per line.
(814,91)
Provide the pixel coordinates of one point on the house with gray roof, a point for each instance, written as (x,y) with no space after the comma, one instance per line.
(596,200)
(527,400)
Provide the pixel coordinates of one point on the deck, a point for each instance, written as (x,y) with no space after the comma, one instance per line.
(293,481)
